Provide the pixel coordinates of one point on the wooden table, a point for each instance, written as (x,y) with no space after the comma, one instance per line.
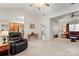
(33,36)
(5,48)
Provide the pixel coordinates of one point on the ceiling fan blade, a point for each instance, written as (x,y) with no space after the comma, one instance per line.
(46,4)
(72,14)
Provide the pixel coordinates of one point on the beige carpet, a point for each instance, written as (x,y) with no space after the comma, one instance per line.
(56,47)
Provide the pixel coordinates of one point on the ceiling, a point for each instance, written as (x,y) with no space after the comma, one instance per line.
(52,10)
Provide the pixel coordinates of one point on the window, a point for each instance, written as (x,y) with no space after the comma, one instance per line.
(71,27)
(76,27)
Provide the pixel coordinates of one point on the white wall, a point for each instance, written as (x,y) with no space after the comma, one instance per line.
(54,28)
(30,20)
(45,22)
(27,21)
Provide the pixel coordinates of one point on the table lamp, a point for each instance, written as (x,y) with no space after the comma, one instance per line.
(4,34)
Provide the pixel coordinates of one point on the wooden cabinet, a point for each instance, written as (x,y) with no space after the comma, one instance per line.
(16,27)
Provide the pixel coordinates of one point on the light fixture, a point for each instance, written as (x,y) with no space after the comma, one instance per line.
(42,4)
(39,5)
(4,34)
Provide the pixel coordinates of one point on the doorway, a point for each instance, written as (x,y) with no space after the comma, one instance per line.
(54,29)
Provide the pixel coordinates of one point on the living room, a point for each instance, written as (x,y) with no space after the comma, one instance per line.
(33,30)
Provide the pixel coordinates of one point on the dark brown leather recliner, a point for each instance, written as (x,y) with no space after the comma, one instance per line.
(18,43)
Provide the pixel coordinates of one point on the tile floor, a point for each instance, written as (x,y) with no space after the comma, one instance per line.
(56,47)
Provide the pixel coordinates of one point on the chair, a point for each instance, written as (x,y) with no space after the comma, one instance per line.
(18,43)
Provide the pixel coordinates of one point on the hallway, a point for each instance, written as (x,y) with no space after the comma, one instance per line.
(56,47)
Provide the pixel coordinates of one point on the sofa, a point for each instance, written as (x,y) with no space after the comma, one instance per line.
(17,42)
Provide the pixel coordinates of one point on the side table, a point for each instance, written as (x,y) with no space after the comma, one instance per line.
(5,48)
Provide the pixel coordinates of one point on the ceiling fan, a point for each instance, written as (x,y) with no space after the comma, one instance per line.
(74,14)
(39,5)
(46,4)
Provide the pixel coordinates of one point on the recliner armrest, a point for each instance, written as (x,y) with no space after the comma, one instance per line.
(12,42)
(24,38)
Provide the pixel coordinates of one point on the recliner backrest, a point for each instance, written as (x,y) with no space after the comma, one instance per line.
(15,36)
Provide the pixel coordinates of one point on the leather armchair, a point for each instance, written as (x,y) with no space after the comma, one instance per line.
(18,43)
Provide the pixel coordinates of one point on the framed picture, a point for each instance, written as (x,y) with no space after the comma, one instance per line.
(4,27)
(32,26)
